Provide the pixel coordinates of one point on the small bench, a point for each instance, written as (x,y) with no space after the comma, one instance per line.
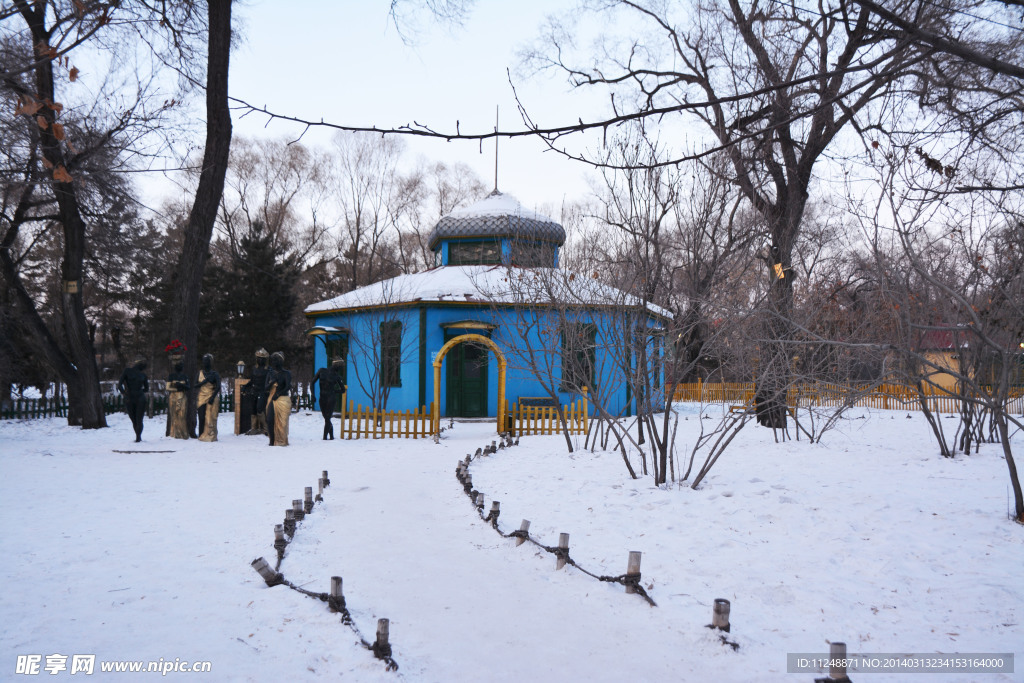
(751,410)
(537,402)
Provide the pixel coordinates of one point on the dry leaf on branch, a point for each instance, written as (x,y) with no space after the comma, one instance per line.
(61,175)
(28,106)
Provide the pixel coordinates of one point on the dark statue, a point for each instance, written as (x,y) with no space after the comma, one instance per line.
(330,386)
(177,399)
(208,400)
(256,394)
(279,401)
(133,385)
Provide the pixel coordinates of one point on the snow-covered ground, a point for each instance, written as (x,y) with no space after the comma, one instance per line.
(870,538)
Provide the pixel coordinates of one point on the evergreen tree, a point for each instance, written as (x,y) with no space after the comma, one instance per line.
(249,299)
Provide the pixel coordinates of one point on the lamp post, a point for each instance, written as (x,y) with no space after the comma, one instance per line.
(239,383)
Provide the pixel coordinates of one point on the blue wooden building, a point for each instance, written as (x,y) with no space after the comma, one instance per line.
(494,322)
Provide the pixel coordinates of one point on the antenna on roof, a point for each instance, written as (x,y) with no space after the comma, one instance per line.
(497,109)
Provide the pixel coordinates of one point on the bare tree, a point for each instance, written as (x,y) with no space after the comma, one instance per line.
(282,186)
(428,193)
(272,245)
(545,309)
(794,74)
(677,239)
(795,78)
(68,137)
(188,281)
(951,267)
(367,182)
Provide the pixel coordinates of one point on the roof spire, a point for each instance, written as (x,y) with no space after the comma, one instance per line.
(496,111)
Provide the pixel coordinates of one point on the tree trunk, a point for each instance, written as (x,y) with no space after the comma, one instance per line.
(775,373)
(192,262)
(85,399)
(86,381)
(1004,438)
(664,444)
(935,422)
(30,320)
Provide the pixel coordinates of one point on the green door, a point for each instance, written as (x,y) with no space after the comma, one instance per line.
(466,381)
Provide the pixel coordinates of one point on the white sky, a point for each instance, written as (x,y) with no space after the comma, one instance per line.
(346,62)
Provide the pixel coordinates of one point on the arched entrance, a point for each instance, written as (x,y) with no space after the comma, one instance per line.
(478,339)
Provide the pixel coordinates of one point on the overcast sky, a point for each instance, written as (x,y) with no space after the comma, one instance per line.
(346,62)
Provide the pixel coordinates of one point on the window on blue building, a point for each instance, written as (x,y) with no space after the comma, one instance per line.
(579,346)
(486,252)
(533,255)
(391,354)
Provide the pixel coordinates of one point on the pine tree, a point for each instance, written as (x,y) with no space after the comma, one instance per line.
(249,299)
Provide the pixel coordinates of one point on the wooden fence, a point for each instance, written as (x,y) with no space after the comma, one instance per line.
(358,422)
(526,420)
(30,408)
(827,394)
(715,392)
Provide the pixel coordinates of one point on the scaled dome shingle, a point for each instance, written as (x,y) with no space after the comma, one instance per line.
(498,215)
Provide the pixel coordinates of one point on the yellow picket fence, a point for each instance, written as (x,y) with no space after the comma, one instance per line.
(526,420)
(829,394)
(715,392)
(359,422)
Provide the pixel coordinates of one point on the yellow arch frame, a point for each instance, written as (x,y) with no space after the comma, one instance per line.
(480,339)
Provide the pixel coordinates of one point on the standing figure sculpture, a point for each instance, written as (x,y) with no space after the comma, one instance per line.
(256,391)
(330,386)
(177,400)
(279,402)
(133,385)
(208,401)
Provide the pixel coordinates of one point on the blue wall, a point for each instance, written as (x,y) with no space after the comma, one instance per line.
(538,325)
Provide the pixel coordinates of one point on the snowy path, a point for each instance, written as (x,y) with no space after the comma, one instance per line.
(411,548)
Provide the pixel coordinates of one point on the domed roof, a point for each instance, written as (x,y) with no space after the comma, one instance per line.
(497,215)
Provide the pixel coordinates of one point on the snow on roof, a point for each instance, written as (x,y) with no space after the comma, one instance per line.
(484,284)
(497,215)
(499,204)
